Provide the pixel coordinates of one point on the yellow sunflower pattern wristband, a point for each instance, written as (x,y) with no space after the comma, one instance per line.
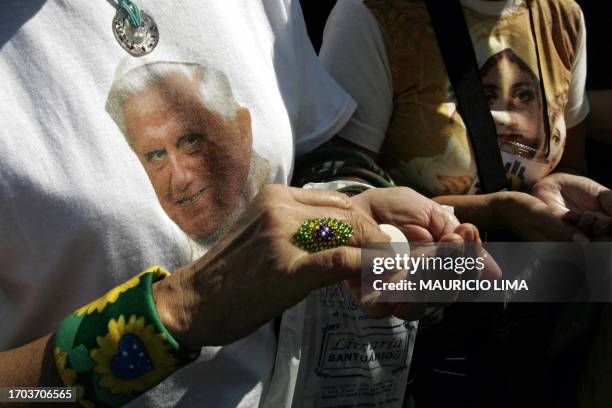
(116,347)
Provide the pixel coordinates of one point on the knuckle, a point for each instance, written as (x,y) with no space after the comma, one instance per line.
(341,199)
(403,190)
(270,213)
(360,231)
(267,206)
(271,190)
(270,216)
(366,229)
(343,258)
(272,197)
(329,198)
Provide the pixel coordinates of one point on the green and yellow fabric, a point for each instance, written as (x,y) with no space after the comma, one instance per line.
(116,347)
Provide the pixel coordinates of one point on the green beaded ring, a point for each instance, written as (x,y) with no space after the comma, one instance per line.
(319,234)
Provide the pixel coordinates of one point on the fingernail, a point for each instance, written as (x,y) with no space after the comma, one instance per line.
(579,237)
(468,235)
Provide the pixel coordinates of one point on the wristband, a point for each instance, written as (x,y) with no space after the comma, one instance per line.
(339,163)
(115,348)
(348,187)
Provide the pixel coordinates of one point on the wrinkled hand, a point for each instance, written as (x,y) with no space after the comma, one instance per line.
(421,220)
(532,220)
(254,272)
(579,200)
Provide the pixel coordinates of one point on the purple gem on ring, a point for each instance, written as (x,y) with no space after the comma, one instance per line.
(324,232)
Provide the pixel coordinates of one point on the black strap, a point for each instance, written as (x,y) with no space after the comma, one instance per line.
(460,61)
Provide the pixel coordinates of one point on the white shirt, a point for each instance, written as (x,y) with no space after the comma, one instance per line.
(78,214)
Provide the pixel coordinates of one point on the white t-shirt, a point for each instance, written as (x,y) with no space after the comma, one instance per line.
(428,140)
(79,209)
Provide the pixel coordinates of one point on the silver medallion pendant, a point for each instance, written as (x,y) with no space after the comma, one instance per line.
(136,41)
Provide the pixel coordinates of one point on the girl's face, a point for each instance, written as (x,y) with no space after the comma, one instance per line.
(515,101)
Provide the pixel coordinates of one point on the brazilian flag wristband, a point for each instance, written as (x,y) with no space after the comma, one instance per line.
(115,348)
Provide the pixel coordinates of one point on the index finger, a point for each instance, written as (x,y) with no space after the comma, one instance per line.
(320,198)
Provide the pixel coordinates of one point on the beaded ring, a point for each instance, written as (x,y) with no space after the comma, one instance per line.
(319,234)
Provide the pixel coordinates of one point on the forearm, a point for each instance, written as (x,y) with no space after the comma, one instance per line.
(475,209)
(30,365)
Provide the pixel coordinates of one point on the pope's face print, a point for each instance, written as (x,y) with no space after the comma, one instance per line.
(196,158)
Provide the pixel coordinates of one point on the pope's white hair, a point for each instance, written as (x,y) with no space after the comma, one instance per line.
(215,89)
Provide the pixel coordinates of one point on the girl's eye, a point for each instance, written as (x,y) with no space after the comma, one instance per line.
(525,96)
(491,96)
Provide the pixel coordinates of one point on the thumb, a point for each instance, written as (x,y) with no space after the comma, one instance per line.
(324,268)
(562,231)
(605,200)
